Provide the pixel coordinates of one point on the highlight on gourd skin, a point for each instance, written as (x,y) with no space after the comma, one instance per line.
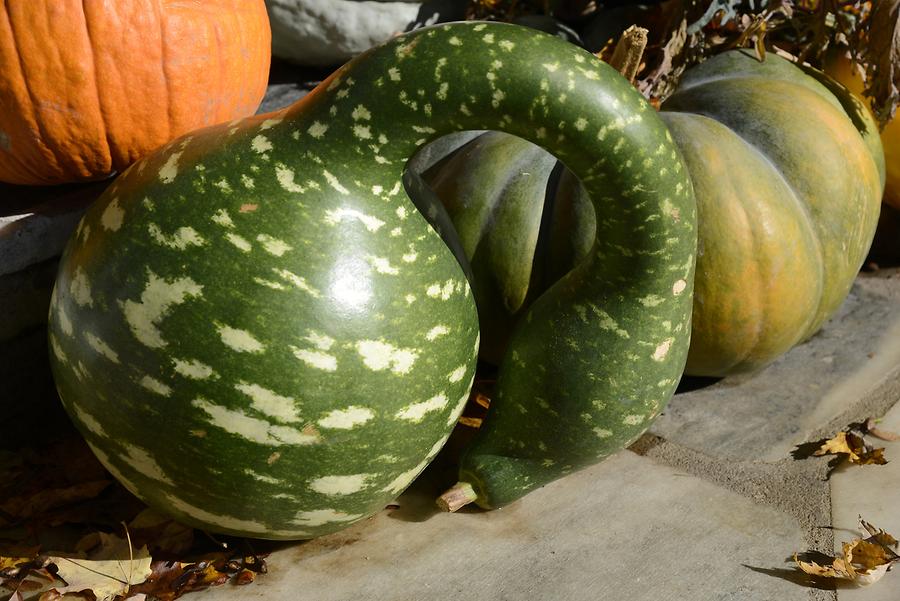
(277,307)
(279,327)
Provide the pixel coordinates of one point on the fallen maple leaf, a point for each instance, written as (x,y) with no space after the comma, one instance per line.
(108,573)
(863,561)
(854,446)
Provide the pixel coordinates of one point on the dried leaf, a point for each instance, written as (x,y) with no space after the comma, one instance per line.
(863,561)
(877,534)
(854,446)
(883,54)
(43,500)
(108,573)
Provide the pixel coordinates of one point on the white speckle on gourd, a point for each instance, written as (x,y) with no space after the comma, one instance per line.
(270,123)
(394,74)
(89,421)
(223,185)
(80,289)
(64,322)
(320,517)
(154,385)
(261,144)
(651,300)
(663,349)
(416,412)
(169,171)
(223,521)
(269,402)
(382,265)
(378,355)
(461,403)
(336,216)
(320,341)
(248,181)
(285,177)
(377,190)
(183,237)
(633,420)
(602,433)
(347,418)
(507,45)
(239,340)
(57,349)
(363,132)
(316,359)
(457,374)
(410,257)
(143,463)
(269,284)
(410,299)
(679,287)
(317,129)
(157,298)
(436,332)
(259,431)
(455,41)
(239,242)
(361,112)
(333,182)
(297,281)
(193,369)
(221,217)
(113,216)
(264,477)
(340,485)
(273,245)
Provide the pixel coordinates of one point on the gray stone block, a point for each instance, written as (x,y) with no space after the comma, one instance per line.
(330,32)
(36,222)
(625,529)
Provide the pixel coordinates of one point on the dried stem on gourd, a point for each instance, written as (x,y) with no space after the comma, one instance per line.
(626,58)
(457,497)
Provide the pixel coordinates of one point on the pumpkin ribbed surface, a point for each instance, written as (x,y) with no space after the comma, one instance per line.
(788,172)
(86,88)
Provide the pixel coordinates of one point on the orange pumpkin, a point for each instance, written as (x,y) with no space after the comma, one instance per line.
(89,86)
(840,68)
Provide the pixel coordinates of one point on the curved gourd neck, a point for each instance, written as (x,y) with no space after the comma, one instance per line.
(385,104)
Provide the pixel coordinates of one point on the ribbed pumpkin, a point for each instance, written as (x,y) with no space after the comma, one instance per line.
(87,87)
(788,172)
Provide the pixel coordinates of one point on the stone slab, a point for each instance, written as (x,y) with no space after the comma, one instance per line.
(625,529)
(873,492)
(764,416)
(36,222)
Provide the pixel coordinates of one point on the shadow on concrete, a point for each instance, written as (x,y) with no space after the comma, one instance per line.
(803,579)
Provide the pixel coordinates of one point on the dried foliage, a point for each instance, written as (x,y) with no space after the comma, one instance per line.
(68,530)
(686,32)
(863,561)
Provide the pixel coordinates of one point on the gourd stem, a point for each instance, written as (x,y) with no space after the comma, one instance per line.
(626,58)
(456,497)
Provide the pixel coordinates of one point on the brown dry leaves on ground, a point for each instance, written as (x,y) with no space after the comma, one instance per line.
(863,561)
(68,530)
(851,443)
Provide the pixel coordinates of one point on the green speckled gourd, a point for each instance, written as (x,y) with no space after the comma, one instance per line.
(257,331)
(788,173)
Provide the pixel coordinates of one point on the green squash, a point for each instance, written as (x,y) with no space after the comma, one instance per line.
(788,172)
(258,332)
